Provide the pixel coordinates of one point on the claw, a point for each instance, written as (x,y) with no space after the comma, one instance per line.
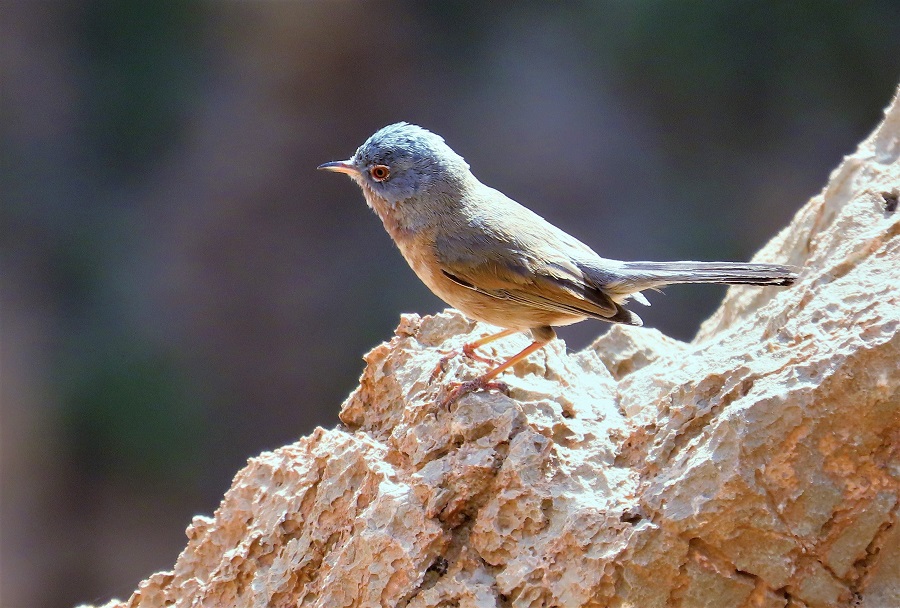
(468,350)
(464,388)
(484,382)
(471,353)
(440,368)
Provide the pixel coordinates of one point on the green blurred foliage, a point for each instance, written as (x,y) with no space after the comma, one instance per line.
(140,64)
(751,60)
(132,419)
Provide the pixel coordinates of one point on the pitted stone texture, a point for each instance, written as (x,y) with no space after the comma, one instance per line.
(756,466)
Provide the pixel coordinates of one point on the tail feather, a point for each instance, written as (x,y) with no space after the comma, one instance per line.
(644,275)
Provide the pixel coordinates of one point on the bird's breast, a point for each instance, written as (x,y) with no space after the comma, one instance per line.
(416,245)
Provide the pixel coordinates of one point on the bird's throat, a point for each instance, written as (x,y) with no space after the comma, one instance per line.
(391,216)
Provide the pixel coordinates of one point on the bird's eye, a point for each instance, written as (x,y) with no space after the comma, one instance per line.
(380,172)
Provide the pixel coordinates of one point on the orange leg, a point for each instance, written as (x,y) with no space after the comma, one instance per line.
(511,361)
(484,381)
(469,351)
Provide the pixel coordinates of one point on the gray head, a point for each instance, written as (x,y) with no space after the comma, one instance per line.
(401,161)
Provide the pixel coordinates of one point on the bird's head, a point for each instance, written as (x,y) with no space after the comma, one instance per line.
(403,161)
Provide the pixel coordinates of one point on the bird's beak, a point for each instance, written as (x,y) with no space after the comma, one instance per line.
(341,166)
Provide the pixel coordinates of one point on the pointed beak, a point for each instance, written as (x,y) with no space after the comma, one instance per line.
(340,166)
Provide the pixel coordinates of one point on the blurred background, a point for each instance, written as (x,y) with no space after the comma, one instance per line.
(181,290)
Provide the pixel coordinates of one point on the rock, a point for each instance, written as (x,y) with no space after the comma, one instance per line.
(756,466)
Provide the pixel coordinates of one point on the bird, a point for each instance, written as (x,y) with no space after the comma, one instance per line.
(499,262)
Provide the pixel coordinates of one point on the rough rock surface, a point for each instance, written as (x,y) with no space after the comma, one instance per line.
(756,466)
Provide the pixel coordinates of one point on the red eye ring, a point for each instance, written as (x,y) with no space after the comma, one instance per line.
(380,172)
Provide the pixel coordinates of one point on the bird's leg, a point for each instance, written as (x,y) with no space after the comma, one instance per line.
(468,350)
(485,378)
(541,337)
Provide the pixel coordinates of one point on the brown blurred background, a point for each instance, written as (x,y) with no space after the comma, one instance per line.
(182,290)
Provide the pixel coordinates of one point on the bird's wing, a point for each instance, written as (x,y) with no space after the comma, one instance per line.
(552,286)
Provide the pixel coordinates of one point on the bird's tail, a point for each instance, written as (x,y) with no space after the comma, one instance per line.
(646,275)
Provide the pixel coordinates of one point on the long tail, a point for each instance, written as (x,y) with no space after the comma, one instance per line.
(645,275)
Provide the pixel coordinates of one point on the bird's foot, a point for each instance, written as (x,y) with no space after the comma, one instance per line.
(461,389)
(440,368)
(468,350)
(471,353)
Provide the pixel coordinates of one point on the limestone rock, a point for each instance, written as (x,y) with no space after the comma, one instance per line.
(756,466)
